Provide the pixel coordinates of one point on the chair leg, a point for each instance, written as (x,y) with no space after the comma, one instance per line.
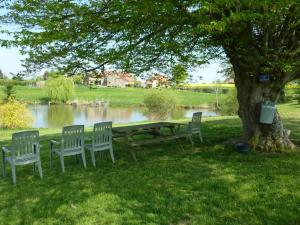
(51,158)
(39,165)
(200,136)
(3,164)
(13,173)
(191,140)
(83,159)
(112,154)
(179,145)
(62,163)
(93,158)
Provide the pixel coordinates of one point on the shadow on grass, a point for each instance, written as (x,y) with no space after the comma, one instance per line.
(210,185)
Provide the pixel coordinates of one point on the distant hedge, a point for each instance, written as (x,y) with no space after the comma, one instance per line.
(205,89)
(223,88)
(4,82)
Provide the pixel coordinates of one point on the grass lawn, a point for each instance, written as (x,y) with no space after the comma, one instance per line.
(117,96)
(210,185)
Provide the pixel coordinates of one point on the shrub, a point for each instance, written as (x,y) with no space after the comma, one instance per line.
(78,79)
(137,84)
(60,89)
(14,114)
(229,104)
(159,104)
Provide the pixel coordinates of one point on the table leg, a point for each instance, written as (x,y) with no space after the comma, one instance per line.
(131,150)
(177,140)
(156,132)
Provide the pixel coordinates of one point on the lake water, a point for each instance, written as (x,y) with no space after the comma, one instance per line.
(57,116)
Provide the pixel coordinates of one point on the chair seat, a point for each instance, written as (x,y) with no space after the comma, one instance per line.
(67,152)
(195,131)
(98,147)
(25,159)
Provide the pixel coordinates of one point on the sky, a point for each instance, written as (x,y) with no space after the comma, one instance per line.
(10,62)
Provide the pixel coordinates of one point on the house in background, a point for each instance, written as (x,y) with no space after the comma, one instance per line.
(229,81)
(110,79)
(157,80)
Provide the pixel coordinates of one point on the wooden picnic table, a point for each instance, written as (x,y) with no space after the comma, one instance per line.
(126,133)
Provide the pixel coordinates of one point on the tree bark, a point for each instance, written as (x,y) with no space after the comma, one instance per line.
(250,95)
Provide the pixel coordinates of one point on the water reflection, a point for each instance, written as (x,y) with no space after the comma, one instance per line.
(154,115)
(57,116)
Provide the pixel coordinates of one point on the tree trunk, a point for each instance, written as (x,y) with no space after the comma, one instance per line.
(250,94)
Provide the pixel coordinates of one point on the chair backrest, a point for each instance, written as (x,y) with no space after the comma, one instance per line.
(197,117)
(24,143)
(196,122)
(73,137)
(102,133)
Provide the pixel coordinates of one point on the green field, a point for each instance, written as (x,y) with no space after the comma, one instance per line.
(117,96)
(210,185)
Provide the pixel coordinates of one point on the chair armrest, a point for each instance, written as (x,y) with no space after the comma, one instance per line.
(54,142)
(37,144)
(37,147)
(5,149)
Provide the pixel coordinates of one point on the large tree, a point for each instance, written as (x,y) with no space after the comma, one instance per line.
(257,37)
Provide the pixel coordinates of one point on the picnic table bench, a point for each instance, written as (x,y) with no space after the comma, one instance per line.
(126,133)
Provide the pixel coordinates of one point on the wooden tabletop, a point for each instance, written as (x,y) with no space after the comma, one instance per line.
(125,129)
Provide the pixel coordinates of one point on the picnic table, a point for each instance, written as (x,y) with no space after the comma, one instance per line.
(126,133)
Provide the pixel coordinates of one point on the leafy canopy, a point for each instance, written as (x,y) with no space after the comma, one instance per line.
(139,35)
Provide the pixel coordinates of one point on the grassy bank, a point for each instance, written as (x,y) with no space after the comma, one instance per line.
(117,96)
(210,185)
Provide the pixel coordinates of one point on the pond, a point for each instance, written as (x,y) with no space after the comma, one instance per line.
(57,116)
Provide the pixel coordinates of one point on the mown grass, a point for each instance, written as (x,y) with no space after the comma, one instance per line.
(210,185)
(116,96)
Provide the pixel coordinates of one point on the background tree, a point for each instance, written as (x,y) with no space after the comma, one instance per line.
(9,91)
(60,89)
(179,74)
(2,76)
(257,37)
(45,75)
(18,76)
